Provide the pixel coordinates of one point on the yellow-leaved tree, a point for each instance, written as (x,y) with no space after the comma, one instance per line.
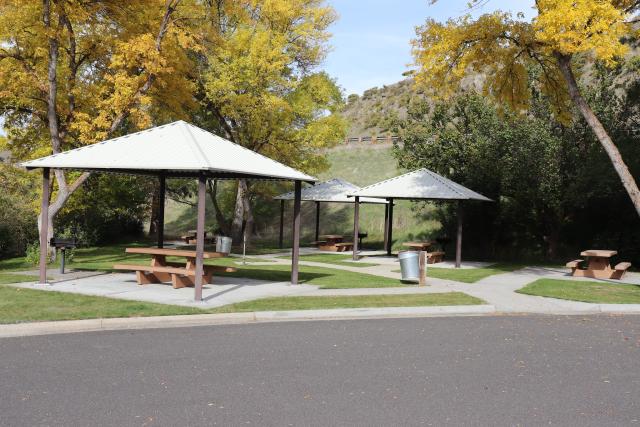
(504,49)
(261,88)
(76,72)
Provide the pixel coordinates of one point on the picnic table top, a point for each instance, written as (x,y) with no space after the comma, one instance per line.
(598,253)
(173,252)
(417,244)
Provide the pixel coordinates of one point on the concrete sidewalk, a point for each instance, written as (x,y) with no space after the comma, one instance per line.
(224,291)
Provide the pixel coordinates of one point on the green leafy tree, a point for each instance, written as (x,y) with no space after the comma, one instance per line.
(539,172)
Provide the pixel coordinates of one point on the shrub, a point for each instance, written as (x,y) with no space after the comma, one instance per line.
(18,221)
(32,254)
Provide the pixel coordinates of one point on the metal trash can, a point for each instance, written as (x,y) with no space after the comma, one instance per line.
(223,244)
(409,265)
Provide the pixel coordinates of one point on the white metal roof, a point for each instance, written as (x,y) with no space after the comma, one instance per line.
(177,148)
(335,190)
(420,184)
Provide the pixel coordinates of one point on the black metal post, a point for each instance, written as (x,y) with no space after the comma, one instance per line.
(459,236)
(317,220)
(356,227)
(62,253)
(295,247)
(390,228)
(281,237)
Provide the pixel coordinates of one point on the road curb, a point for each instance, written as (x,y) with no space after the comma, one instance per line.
(93,325)
(620,308)
(157,322)
(382,312)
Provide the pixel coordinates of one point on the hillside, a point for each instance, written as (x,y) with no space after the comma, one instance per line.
(365,112)
(363,166)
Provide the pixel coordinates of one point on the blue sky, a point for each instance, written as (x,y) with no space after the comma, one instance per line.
(370,42)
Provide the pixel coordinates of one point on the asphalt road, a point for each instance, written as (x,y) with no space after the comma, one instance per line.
(430,371)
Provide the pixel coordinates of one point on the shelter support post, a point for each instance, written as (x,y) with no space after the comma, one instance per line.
(317,221)
(386,223)
(356,227)
(161,201)
(44,225)
(281,235)
(422,268)
(202,182)
(295,247)
(390,227)
(459,237)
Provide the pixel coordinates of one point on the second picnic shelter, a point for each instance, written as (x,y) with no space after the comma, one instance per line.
(421,184)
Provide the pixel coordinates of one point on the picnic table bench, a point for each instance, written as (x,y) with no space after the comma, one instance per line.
(180,274)
(598,265)
(344,246)
(435,257)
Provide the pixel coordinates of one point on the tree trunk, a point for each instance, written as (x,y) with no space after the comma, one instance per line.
(238,213)
(50,251)
(248,215)
(552,240)
(629,183)
(64,189)
(223,224)
(154,221)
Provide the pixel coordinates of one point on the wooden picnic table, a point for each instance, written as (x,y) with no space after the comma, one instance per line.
(180,274)
(598,265)
(333,243)
(332,238)
(191,235)
(598,259)
(420,246)
(433,257)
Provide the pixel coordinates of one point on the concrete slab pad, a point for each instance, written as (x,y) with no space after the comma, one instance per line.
(226,290)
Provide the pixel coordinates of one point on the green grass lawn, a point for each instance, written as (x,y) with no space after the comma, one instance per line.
(311,303)
(470,275)
(6,278)
(18,305)
(586,291)
(31,305)
(326,278)
(337,259)
(103,259)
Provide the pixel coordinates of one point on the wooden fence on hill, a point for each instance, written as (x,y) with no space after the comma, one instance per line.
(379,139)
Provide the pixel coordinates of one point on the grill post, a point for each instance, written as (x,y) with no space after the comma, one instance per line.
(62,254)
